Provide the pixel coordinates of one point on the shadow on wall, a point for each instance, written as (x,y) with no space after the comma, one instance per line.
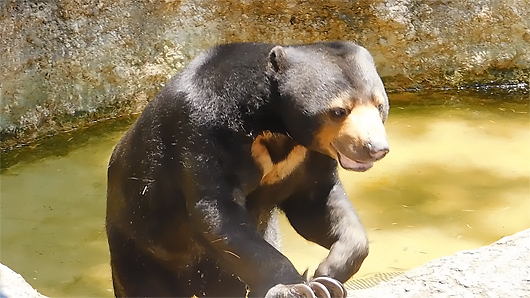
(63,143)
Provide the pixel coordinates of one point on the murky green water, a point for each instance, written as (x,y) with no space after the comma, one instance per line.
(457,177)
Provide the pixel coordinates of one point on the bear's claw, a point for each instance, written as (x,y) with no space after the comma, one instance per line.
(319,290)
(335,288)
(320,287)
(305,291)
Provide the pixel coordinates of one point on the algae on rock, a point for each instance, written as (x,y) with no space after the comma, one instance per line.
(64,63)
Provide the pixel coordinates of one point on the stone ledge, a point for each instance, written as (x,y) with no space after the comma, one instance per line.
(501,269)
(13,285)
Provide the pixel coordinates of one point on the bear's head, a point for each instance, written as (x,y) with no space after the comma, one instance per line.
(332,100)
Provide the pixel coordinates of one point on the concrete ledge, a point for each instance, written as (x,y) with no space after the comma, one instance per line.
(13,285)
(501,269)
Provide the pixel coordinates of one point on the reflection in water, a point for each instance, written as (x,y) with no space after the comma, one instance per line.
(457,177)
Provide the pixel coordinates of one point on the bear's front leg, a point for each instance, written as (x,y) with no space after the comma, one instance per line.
(323,214)
(347,254)
(240,249)
(231,237)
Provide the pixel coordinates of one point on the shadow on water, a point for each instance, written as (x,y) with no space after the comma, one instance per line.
(53,211)
(62,143)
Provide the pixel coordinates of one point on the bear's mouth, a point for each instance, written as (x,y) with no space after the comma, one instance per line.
(352,165)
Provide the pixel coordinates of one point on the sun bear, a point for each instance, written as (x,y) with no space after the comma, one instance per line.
(245,131)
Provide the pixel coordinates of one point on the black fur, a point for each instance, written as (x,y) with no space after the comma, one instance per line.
(186,213)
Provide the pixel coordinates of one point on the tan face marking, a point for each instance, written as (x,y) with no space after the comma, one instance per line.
(275,172)
(343,100)
(364,122)
(378,99)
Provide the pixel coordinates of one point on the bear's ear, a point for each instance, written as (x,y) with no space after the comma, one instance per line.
(277,58)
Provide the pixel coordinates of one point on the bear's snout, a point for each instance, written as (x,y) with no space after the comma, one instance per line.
(361,138)
(356,155)
(378,149)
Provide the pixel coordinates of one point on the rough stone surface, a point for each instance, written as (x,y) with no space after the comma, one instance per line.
(64,63)
(501,269)
(13,285)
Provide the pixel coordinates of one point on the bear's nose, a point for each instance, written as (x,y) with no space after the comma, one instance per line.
(378,149)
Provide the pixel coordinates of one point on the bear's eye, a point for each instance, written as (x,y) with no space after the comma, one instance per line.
(381,108)
(339,113)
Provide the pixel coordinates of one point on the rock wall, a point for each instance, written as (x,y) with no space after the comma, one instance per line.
(64,63)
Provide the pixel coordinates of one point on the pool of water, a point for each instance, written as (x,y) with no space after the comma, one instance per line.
(457,177)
